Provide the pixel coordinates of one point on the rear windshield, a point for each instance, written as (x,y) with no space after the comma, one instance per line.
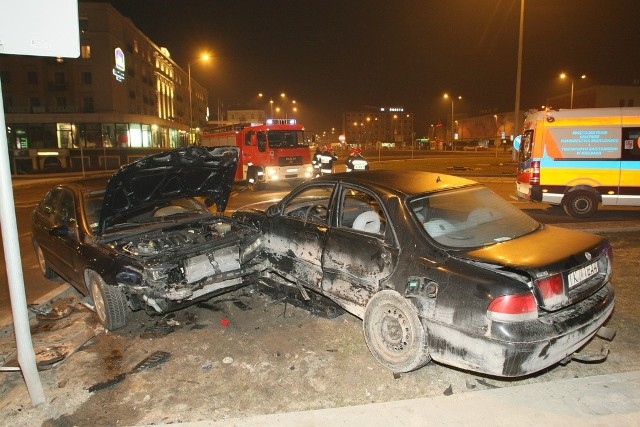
(470,218)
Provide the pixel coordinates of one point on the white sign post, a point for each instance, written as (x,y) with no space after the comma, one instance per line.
(36,28)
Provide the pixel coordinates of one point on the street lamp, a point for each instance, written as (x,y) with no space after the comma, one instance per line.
(446,96)
(278,109)
(565,76)
(203,57)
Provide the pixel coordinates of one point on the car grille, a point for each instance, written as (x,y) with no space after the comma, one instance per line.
(290,160)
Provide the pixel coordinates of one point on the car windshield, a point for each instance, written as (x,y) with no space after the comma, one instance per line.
(470,218)
(286,139)
(154,214)
(92,208)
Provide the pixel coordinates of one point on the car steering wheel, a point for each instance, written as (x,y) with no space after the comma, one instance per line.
(317,213)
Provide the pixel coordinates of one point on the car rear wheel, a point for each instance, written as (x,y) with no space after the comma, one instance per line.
(394,333)
(47,272)
(109,301)
(580,204)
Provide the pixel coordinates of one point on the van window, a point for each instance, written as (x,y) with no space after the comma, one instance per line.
(526,144)
(631,144)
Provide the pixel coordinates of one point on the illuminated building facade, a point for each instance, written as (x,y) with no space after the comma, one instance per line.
(122,99)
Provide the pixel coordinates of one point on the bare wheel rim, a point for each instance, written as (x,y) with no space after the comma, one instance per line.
(41,262)
(582,204)
(393,331)
(98,301)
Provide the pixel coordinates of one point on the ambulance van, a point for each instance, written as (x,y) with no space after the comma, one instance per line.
(580,158)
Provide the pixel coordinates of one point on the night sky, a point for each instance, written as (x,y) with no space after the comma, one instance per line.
(337,56)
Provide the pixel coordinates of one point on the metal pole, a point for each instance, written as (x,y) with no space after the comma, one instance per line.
(26,355)
(571,103)
(190,107)
(453,141)
(516,118)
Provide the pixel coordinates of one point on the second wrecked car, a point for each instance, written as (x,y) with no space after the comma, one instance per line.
(145,239)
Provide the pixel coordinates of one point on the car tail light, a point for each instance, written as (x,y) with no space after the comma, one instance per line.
(535,173)
(551,287)
(552,290)
(513,308)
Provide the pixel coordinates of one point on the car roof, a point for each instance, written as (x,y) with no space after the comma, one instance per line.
(404,182)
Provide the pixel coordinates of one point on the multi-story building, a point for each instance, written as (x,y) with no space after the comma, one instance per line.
(123,98)
(596,97)
(246,116)
(391,127)
(498,130)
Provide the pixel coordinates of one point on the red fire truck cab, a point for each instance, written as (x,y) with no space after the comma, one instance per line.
(269,152)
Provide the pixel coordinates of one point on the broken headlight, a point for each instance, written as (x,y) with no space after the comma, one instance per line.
(251,250)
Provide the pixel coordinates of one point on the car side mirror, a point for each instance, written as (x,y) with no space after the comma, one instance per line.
(273,210)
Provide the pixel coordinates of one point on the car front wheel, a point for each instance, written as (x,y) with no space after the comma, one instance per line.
(47,272)
(394,333)
(110,302)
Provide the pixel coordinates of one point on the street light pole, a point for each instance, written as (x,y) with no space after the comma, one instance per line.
(564,76)
(203,57)
(190,103)
(446,95)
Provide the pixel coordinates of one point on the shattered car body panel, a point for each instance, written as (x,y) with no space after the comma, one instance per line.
(142,239)
(439,267)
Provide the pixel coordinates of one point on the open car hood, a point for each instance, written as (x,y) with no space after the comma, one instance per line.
(184,172)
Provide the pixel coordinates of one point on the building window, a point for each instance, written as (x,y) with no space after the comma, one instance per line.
(630,103)
(87,104)
(85,51)
(32,77)
(61,102)
(83,25)
(59,77)
(87,77)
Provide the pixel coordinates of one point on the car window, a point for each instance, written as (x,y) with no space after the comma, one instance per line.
(47,208)
(92,207)
(311,204)
(361,211)
(468,218)
(66,212)
(184,207)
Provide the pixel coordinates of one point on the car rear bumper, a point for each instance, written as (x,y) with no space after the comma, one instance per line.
(522,348)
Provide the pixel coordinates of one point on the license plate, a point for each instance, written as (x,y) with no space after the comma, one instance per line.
(576,277)
(360,167)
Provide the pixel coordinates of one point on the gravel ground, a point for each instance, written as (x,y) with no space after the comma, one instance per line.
(247,353)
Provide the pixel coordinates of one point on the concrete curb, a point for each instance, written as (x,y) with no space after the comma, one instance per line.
(591,401)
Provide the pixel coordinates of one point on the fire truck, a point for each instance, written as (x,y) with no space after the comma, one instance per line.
(269,152)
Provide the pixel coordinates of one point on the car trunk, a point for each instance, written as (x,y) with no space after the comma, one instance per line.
(570,265)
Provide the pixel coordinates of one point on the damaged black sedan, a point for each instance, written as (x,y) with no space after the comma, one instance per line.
(146,238)
(439,267)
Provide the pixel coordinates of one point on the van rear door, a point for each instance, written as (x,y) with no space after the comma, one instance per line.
(629,190)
